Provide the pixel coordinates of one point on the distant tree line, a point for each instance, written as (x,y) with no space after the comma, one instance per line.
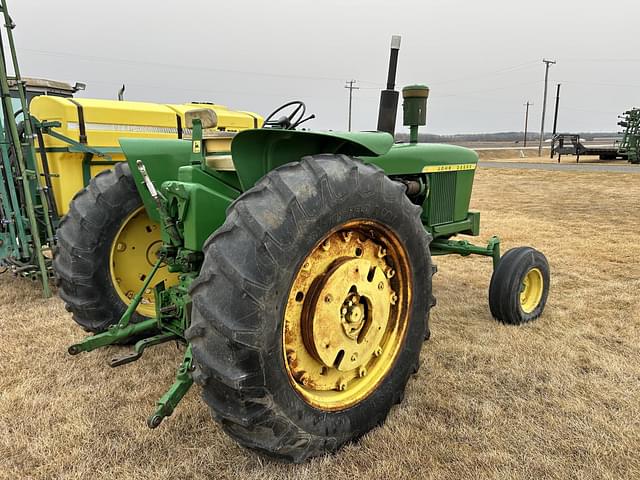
(512,137)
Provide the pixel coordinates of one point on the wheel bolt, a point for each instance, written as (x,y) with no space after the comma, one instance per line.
(380,286)
(325,245)
(342,386)
(328,299)
(362,372)
(354,357)
(121,247)
(377,352)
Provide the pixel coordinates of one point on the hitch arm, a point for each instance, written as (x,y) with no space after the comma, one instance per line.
(169,401)
(122,330)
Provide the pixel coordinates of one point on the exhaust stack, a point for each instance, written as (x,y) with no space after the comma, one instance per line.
(389,97)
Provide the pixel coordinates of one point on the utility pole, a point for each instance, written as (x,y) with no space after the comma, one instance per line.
(547,63)
(526,122)
(351,88)
(555,118)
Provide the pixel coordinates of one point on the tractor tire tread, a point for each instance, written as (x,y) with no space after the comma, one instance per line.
(229,335)
(77,261)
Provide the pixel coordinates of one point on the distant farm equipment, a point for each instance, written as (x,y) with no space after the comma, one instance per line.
(573,144)
(630,143)
(625,149)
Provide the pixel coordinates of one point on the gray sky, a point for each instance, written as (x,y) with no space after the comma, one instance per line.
(482,59)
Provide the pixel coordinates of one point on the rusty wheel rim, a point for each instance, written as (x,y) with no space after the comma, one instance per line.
(347,315)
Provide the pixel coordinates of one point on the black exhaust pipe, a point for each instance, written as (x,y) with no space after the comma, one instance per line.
(389,97)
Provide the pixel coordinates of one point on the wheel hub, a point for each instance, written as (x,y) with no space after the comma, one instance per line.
(531,290)
(346,316)
(133,254)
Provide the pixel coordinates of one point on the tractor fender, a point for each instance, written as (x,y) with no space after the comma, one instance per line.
(162,158)
(257,152)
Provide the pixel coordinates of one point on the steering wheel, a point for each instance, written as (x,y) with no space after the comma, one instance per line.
(286,122)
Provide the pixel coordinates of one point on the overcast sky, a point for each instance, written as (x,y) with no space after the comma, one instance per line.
(482,59)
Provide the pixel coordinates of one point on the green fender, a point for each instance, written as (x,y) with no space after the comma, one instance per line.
(256,152)
(161,157)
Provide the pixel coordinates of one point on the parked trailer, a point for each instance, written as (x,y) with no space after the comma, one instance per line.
(572,144)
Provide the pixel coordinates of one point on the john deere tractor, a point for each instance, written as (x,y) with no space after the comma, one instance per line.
(302,263)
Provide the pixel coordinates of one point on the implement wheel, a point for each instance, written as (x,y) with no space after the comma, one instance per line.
(106,246)
(311,307)
(519,286)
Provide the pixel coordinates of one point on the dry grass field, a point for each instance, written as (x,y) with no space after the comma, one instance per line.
(559,398)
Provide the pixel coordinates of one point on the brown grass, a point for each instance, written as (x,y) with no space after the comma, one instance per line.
(559,398)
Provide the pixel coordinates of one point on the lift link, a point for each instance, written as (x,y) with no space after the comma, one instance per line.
(122,330)
(170,400)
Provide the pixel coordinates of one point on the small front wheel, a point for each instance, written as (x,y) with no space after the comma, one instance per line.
(519,286)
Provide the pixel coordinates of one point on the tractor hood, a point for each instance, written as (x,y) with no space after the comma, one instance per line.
(256,152)
(407,158)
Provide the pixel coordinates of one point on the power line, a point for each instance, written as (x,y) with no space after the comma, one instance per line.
(490,73)
(95,58)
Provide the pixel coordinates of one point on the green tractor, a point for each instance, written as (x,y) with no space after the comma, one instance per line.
(303,268)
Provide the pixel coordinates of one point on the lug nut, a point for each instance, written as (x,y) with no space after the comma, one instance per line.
(394,298)
(362,372)
(377,352)
(325,245)
(121,247)
(328,299)
(342,386)
(380,286)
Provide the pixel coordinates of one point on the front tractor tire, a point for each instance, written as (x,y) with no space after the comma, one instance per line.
(519,286)
(106,247)
(311,307)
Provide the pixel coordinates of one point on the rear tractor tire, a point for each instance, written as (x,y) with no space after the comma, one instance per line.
(311,307)
(106,246)
(519,286)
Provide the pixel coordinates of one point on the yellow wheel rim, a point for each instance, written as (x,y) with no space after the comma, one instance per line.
(531,291)
(347,315)
(133,254)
